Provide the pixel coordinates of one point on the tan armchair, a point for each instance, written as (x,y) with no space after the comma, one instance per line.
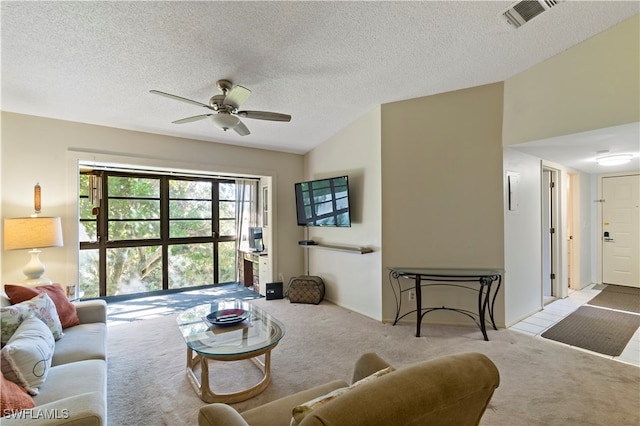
(451,390)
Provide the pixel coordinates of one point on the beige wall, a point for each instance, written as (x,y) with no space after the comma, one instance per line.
(36,149)
(352,280)
(442,186)
(593,85)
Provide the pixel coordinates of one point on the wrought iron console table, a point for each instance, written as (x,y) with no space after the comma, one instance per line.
(455,277)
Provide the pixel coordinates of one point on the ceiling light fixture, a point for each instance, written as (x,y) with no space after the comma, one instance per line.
(614,160)
(225,121)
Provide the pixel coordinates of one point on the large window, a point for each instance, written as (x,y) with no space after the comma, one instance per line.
(141,233)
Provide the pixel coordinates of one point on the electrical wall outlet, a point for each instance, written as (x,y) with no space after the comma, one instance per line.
(412,295)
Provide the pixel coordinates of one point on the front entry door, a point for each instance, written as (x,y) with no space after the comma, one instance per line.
(621,230)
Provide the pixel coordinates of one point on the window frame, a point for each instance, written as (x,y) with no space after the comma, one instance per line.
(102,220)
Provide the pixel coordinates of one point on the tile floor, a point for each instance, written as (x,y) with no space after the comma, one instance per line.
(536,324)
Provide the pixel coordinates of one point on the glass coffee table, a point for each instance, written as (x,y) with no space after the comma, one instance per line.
(228,331)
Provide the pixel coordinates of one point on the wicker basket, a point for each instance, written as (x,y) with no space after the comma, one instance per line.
(306,289)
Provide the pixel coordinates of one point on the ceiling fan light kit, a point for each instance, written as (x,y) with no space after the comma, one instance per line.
(226,107)
(225,121)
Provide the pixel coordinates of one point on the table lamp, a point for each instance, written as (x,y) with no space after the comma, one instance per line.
(33,233)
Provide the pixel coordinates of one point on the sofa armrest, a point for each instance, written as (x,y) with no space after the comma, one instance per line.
(219,414)
(87,409)
(90,311)
(452,390)
(366,365)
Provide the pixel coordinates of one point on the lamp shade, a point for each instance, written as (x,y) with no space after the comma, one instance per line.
(32,233)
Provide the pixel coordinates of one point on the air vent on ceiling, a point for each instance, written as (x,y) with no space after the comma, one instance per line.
(522,12)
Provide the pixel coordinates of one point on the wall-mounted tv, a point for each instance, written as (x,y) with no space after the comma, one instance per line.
(323,202)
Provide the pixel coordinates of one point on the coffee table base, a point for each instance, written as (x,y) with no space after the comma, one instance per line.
(203,387)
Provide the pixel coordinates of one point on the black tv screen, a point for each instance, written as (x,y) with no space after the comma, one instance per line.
(323,202)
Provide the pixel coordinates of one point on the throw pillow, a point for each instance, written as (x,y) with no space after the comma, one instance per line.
(41,306)
(26,358)
(66,310)
(13,398)
(302,410)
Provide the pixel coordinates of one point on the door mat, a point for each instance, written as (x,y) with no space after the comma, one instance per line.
(618,297)
(595,329)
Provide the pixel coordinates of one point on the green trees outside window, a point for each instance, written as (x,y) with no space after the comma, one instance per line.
(147,233)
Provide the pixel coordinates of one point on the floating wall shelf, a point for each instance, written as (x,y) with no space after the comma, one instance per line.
(351,249)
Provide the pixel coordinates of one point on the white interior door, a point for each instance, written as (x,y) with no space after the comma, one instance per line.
(570,214)
(548,230)
(621,230)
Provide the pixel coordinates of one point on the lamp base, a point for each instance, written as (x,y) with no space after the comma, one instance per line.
(36,282)
(34,270)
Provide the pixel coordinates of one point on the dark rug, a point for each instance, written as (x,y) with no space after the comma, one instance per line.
(618,297)
(595,329)
(170,303)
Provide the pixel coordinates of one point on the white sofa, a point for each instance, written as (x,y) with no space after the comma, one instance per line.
(75,389)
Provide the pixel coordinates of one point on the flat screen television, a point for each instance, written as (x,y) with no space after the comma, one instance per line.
(255,238)
(323,202)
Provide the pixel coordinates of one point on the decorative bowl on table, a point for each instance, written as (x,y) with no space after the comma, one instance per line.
(227,317)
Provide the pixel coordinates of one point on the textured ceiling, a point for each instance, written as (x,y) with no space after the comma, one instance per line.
(325,63)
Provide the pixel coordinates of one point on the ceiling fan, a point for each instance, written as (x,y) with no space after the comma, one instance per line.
(225,107)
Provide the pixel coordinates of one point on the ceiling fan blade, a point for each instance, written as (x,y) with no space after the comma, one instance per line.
(237,96)
(263,115)
(190,119)
(241,129)
(179,98)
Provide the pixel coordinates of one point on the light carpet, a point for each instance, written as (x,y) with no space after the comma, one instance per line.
(542,382)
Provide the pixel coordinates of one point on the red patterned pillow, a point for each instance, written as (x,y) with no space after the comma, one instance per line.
(13,398)
(66,310)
